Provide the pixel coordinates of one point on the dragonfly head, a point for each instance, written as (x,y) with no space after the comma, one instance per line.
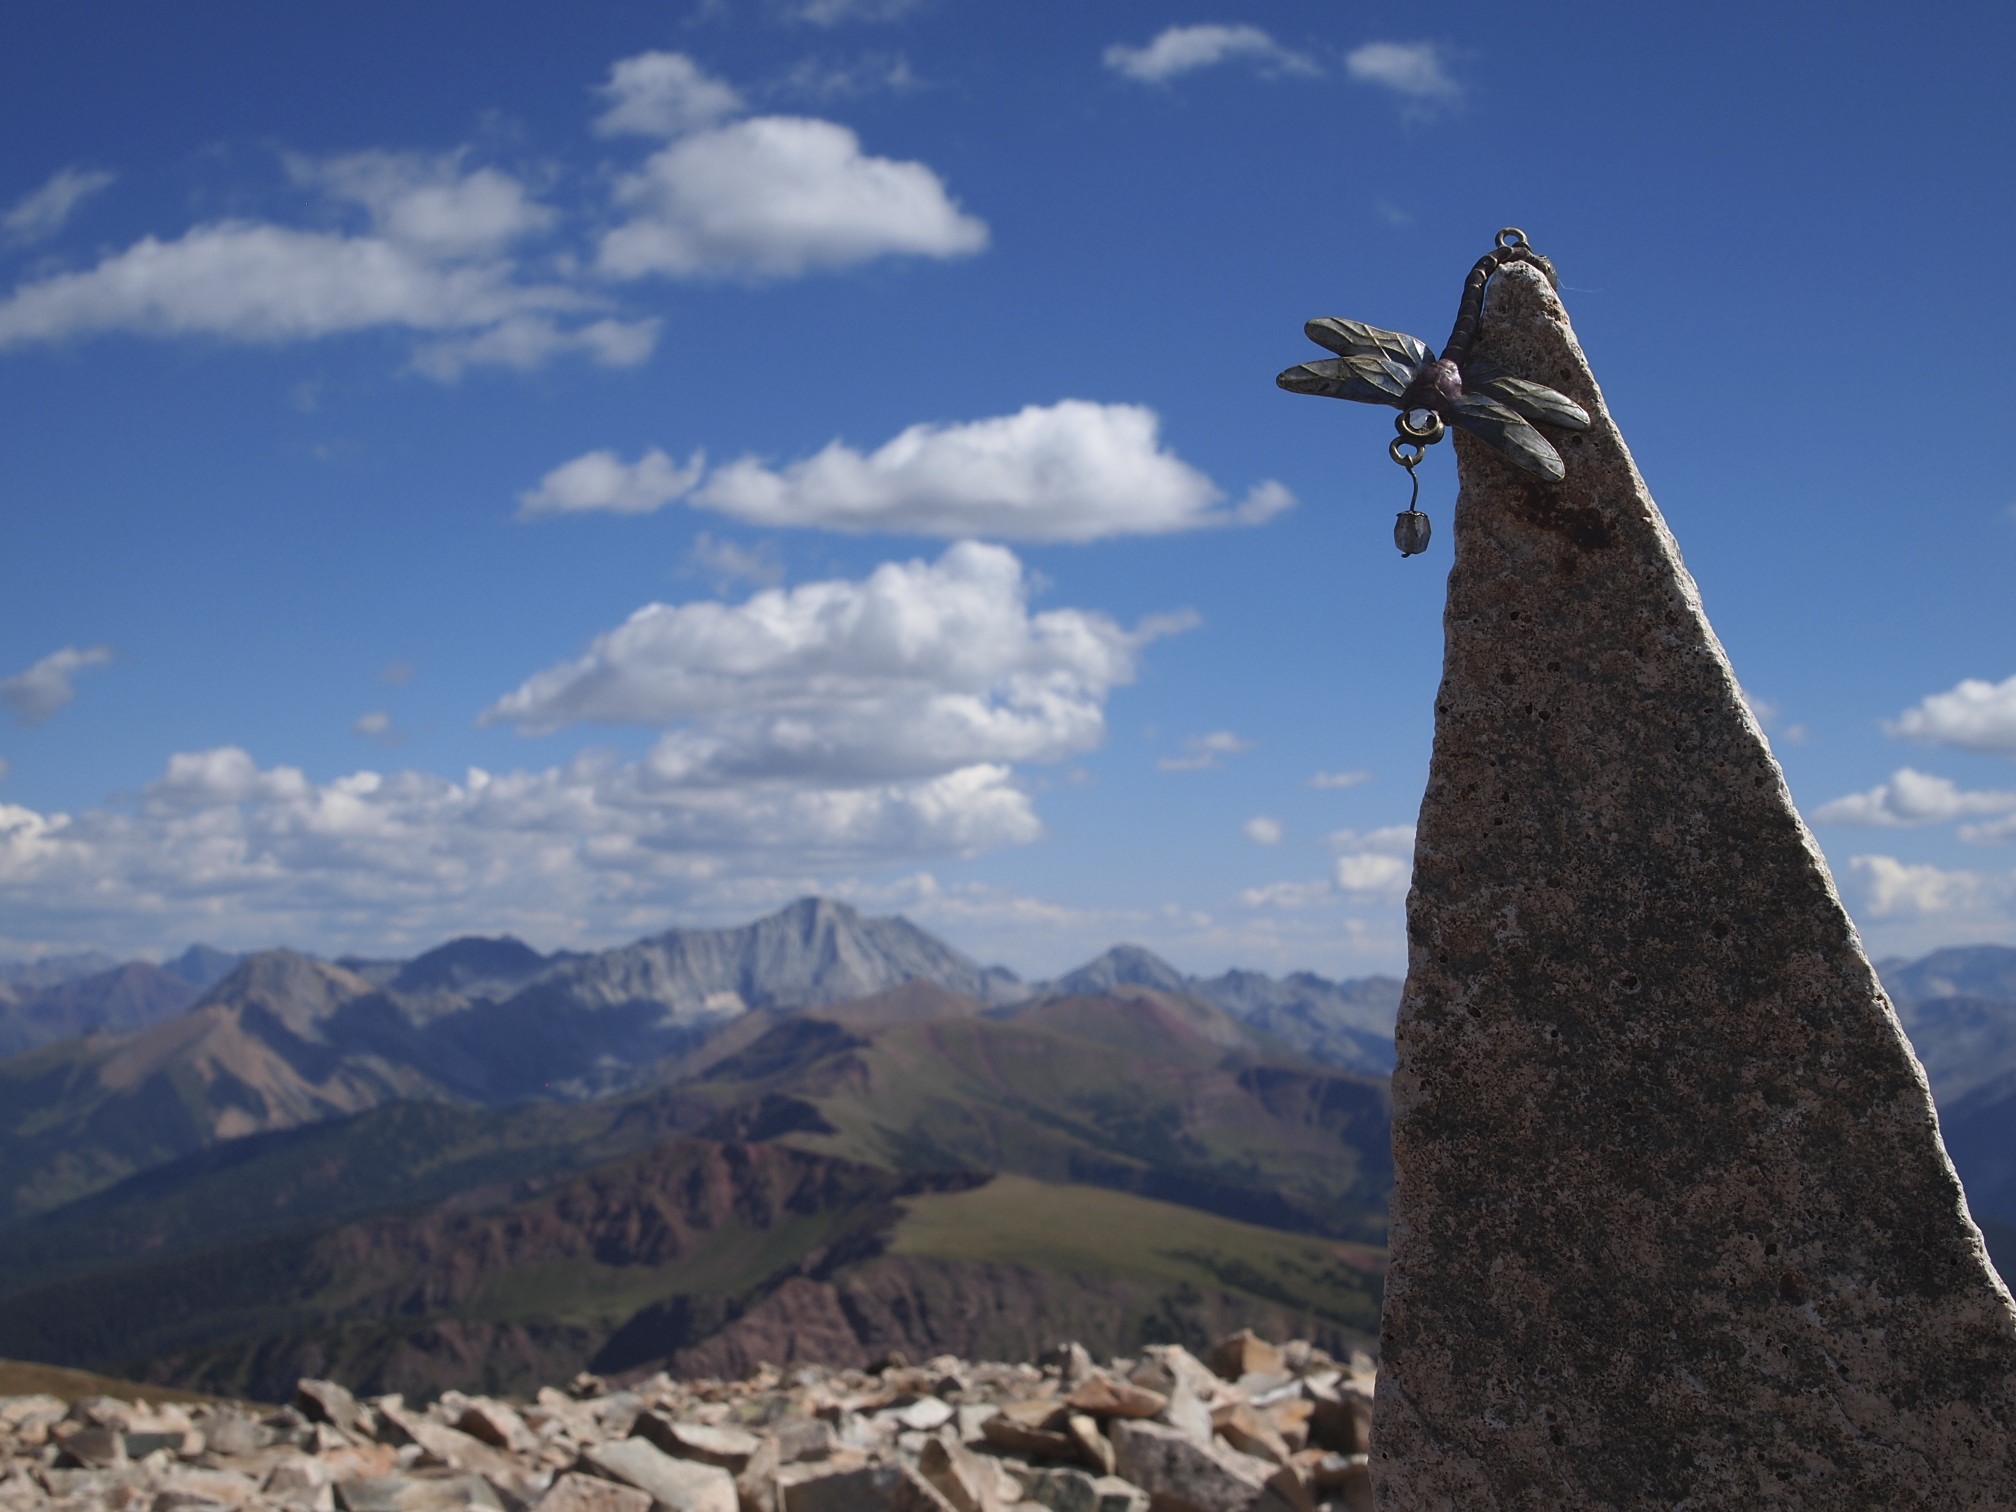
(1436,387)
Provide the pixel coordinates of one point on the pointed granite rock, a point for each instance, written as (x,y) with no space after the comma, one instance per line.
(1673,1225)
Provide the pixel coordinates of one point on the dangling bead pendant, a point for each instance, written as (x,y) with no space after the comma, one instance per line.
(1411,532)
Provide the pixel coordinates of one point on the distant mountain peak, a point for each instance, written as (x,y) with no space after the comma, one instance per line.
(479,965)
(203,966)
(296,989)
(1122,966)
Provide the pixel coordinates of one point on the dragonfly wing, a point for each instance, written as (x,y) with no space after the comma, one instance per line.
(1534,401)
(1508,432)
(1337,378)
(1352,338)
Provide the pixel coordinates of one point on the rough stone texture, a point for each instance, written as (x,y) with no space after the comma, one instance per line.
(590,1493)
(1673,1226)
(680,1485)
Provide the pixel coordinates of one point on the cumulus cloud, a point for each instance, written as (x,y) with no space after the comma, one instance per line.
(1416,71)
(724,563)
(221,846)
(36,694)
(1974,715)
(526,342)
(663,94)
(1185,49)
(253,282)
(1375,863)
(775,197)
(41,213)
(1911,798)
(919,668)
(1337,781)
(1071,471)
(429,202)
(436,259)
(1892,888)
(600,480)
(1205,753)
(1261,830)
(831,79)
(377,726)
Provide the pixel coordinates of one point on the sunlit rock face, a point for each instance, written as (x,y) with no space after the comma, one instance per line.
(1673,1226)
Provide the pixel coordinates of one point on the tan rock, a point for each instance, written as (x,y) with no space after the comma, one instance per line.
(1342,1478)
(1018,1437)
(326,1402)
(872,1488)
(591,1493)
(674,1485)
(190,1486)
(1092,1445)
(965,1479)
(1248,1432)
(1174,1468)
(1106,1396)
(1290,1419)
(497,1425)
(730,1448)
(1245,1353)
(417,1493)
(1672,1223)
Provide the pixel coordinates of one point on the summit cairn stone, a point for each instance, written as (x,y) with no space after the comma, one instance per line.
(1673,1225)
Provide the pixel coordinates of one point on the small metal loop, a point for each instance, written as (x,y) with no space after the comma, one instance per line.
(1426,433)
(1397,448)
(1511,237)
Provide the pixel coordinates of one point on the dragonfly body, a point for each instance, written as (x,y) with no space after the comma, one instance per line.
(1375,366)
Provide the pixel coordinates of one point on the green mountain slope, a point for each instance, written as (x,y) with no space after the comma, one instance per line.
(814,1185)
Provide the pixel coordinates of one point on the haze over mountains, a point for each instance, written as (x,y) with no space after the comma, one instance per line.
(709,1147)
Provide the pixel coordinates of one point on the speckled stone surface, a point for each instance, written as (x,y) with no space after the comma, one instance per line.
(1673,1226)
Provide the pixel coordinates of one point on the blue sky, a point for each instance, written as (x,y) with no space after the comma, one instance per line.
(482,467)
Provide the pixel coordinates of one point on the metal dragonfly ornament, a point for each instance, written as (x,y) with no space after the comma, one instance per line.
(1388,367)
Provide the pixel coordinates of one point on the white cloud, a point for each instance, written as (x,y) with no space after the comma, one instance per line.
(1335,781)
(828,79)
(724,563)
(600,480)
(1416,71)
(434,260)
(428,202)
(41,213)
(1185,49)
(1262,830)
(526,342)
(920,668)
(1374,863)
(778,196)
(36,694)
(1912,797)
(662,94)
(377,727)
(1975,715)
(1290,895)
(219,847)
(1892,887)
(1071,471)
(1205,753)
(246,281)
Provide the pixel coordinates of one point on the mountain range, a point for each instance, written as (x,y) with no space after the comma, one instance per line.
(489,1165)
